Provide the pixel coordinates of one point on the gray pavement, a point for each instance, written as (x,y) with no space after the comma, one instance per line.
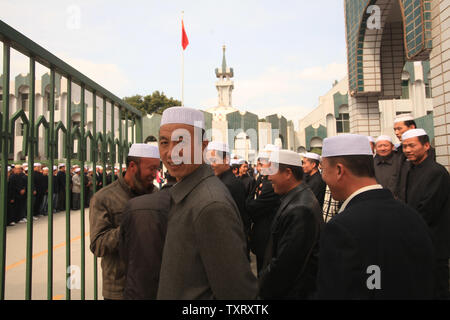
(16,254)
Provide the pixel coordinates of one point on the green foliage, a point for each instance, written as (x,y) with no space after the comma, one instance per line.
(156,102)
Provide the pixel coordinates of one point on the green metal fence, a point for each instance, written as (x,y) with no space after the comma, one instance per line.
(104,147)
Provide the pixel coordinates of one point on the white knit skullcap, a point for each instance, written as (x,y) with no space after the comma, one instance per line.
(413,133)
(311,155)
(346,145)
(383,138)
(143,150)
(286,157)
(403,118)
(218,146)
(183,115)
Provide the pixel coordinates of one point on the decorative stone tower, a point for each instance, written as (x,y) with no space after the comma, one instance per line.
(225,85)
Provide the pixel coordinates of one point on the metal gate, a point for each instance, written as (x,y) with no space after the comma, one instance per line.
(105,148)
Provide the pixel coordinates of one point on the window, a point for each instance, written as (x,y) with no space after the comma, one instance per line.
(405,89)
(343,123)
(24,99)
(56,104)
(20,130)
(427,91)
(1,97)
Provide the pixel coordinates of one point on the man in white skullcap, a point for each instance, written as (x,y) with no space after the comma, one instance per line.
(106,211)
(428,191)
(313,178)
(60,204)
(290,262)
(385,164)
(205,249)
(218,155)
(375,247)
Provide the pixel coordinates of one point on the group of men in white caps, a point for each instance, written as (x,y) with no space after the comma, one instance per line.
(18,188)
(193,238)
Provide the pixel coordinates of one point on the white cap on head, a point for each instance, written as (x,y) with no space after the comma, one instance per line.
(263,155)
(403,118)
(55,168)
(371,139)
(37,164)
(25,164)
(124,166)
(286,157)
(44,168)
(233,162)
(99,167)
(143,150)
(240,161)
(77,170)
(9,168)
(61,165)
(311,155)
(346,145)
(271,147)
(383,138)
(218,146)
(183,115)
(413,133)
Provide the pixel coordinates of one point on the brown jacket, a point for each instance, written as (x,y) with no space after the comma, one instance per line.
(105,215)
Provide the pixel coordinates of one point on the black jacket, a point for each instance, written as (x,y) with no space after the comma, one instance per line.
(142,235)
(428,191)
(376,230)
(387,171)
(317,186)
(237,190)
(291,259)
(249,184)
(261,206)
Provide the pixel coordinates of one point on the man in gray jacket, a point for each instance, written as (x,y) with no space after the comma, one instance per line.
(106,213)
(205,249)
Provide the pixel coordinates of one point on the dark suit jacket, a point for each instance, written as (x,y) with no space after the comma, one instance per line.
(376,230)
(290,264)
(142,234)
(317,186)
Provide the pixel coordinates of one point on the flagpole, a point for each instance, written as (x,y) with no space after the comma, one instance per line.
(182,68)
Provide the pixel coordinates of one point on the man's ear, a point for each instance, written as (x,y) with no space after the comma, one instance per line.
(427,146)
(340,170)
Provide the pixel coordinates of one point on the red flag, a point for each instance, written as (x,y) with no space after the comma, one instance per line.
(184,38)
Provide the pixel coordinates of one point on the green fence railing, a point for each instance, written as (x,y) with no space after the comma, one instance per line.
(105,148)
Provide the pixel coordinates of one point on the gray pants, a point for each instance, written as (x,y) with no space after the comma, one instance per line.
(76,201)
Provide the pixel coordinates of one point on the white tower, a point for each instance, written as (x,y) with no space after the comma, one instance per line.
(225,85)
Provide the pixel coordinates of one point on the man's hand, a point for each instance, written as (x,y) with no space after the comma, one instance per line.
(22,192)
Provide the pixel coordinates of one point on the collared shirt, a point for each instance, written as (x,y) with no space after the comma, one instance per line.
(354,194)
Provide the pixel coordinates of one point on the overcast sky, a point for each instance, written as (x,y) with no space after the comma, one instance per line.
(285,54)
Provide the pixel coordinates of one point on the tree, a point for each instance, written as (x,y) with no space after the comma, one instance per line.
(156,102)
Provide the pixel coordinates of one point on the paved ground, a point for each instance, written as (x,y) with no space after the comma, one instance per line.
(16,253)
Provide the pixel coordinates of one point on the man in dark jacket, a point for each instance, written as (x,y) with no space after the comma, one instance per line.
(291,258)
(249,182)
(428,191)
(385,163)
(376,247)
(18,189)
(261,205)
(219,157)
(142,235)
(61,179)
(40,185)
(313,178)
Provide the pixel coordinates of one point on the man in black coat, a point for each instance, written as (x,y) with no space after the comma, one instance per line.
(249,182)
(376,247)
(18,190)
(61,181)
(291,258)
(142,235)
(219,158)
(39,183)
(428,191)
(385,163)
(261,205)
(313,178)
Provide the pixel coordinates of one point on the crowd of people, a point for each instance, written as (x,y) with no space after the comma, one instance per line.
(193,238)
(18,188)
(195,235)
